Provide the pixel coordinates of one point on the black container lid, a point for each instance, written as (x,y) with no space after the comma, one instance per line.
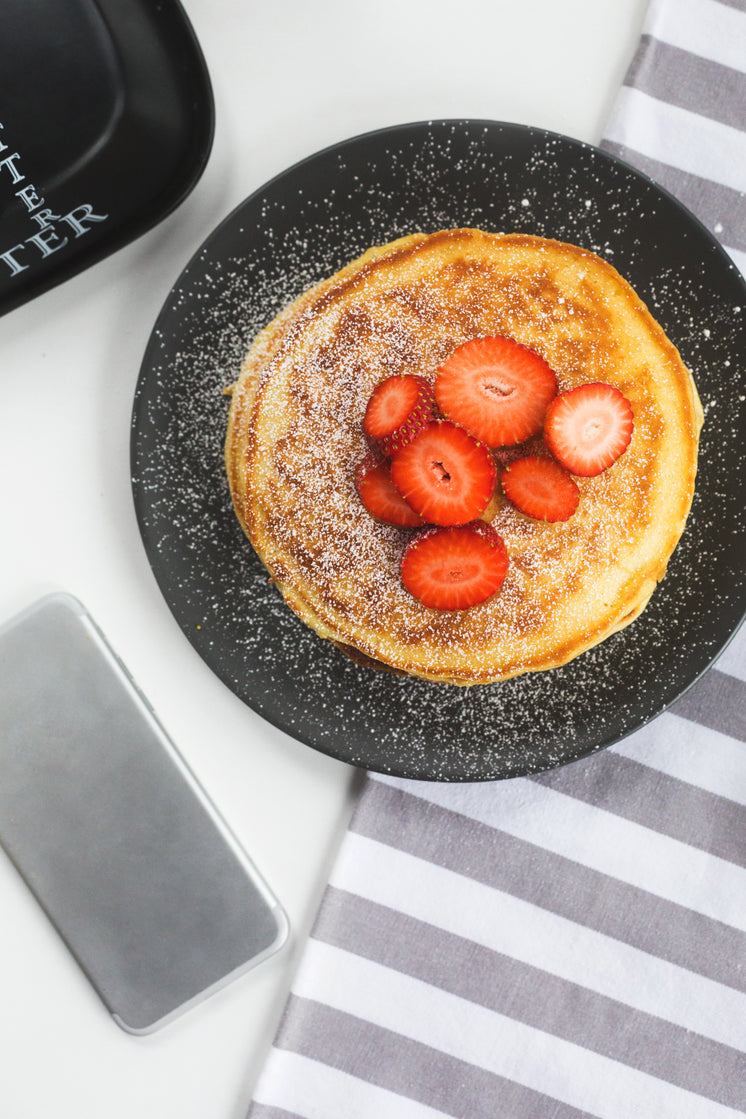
(106,124)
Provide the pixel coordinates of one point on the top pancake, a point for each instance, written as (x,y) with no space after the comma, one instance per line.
(295,436)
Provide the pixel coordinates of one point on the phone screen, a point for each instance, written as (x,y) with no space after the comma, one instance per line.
(109,828)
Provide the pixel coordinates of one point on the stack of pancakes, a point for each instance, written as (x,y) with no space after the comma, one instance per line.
(295,437)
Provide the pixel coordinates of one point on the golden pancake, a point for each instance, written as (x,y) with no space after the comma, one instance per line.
(295,436)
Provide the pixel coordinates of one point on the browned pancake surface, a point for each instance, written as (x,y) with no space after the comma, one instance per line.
(295,436)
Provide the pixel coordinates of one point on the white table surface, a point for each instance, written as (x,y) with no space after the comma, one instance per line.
(289,78)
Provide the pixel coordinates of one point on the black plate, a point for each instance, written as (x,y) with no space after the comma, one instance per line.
(107,123)
(304,225)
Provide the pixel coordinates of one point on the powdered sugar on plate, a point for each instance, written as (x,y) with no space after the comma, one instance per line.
(306,225)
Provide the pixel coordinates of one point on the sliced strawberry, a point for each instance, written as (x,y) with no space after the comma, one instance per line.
(399,407)
(540,488)
(378,495)
(455,568)
(497,389)
(445,474)
(588,428)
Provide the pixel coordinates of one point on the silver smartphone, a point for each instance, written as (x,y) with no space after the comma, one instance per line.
(111,831)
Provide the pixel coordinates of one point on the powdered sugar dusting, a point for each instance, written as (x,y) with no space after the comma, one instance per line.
(305,227)
(405,312)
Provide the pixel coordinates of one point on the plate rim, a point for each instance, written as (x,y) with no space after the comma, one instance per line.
(602,741)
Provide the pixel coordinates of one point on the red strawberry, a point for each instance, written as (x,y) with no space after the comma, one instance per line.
(588,428)
(378,495)
(455,568)
(497,389)
(445,474)
(399,407)
(540,488)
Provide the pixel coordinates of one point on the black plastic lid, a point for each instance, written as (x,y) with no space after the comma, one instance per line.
(106,124)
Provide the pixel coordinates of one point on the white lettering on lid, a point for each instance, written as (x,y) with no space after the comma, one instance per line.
(45,218)
(43,240)
(81,214)
(29,195)
(47,239)
(9,163)
(10,260)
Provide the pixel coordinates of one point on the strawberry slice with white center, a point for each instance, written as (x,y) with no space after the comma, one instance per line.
(497,388)
(445,474)
(588,428)
(380,497)
(540,488)
(455,568)
(399,407)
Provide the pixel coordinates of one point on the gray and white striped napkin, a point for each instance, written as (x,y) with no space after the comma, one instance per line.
(572,944)
(680,116)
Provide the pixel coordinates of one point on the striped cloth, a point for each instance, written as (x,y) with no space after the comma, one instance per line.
(571,944)
(681,113)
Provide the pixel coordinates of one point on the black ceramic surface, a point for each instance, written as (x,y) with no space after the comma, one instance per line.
(106,123)
(304,225)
